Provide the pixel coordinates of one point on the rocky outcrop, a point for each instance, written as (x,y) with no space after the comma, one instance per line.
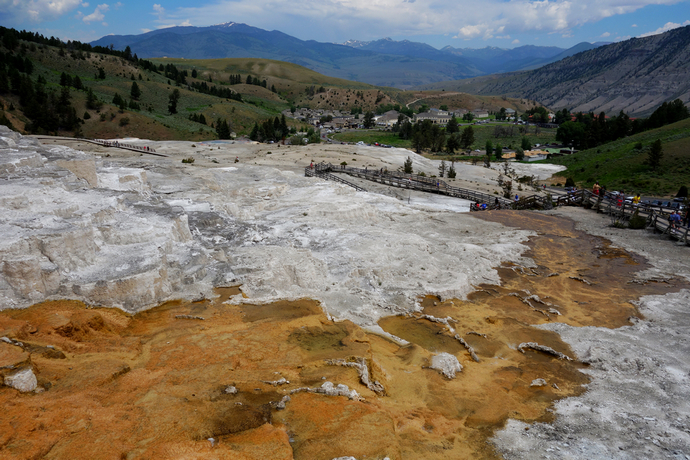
(23,380)
(446,364)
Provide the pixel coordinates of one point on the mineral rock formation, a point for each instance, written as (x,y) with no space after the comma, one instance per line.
(447,364)
(543,349)
(23,380)
(131,233)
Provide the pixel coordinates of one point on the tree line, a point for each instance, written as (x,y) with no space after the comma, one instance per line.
(589,130)
(426,135)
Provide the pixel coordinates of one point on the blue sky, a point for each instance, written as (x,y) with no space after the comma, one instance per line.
(458,23)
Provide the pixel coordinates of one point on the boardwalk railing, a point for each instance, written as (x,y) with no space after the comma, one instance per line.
(316,172)
(622,210)
(431,185)
(105,143)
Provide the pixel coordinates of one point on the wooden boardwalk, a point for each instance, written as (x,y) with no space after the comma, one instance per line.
(656,217)
(621,210)
(425,184)
(105,143)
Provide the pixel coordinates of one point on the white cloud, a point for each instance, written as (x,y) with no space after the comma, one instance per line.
(368,19)
(85,5)
(515,42)
(186,23)
(605,34)
(159,10)
(665,28)
(634,25)
(145,30)
(118,5)
(469,32)
(34,10)
(97,14)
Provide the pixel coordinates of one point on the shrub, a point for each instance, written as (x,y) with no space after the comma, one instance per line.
(87,115)
(569,182)
(189,160)
(124,121)
(682,192)
(637,222)
(343,163)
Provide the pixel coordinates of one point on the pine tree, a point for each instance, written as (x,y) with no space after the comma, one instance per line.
(254,135)
(451,170)
(452,126)
(135,92)
(407,166)
(92,102)
(222,129)
(117,99)
(65,80)
(452,143)
(467,138)
(655,155)
(76,83)
(173,98)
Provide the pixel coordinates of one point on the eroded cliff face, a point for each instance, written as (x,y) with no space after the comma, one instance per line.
(635,76)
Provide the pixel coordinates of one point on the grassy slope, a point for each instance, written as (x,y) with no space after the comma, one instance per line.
(618,165)
(154,122)
(259,103)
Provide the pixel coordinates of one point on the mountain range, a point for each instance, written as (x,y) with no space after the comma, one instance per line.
(386,62)
(634,76)
(487,60)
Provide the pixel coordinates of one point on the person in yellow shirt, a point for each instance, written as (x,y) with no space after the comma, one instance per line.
(636,200)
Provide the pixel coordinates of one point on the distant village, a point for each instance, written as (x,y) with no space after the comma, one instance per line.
(336,121)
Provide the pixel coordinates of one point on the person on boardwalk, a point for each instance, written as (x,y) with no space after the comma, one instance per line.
(674,220)
(311,165)
(517,198)
(596,188)
(636,200)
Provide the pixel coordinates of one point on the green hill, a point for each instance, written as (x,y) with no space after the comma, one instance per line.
(277,86)
(620,165)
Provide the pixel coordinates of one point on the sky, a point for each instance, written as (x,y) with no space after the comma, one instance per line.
(439,23)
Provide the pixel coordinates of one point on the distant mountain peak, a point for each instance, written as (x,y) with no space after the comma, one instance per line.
(225,24)
(354,43)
